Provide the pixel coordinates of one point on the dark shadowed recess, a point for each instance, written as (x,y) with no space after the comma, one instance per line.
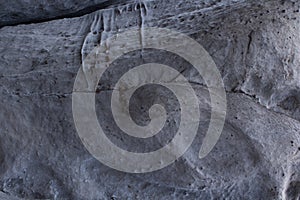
(19,12)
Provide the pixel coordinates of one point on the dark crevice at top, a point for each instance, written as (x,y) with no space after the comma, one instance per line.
(69,14)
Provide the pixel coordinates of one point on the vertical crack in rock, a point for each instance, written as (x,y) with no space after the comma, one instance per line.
(142,7)
(249,42)
(291,184)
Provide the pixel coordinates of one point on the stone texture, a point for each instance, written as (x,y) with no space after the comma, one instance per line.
(24,11)
(255,45)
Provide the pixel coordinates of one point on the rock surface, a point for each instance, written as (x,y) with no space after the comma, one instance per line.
(19,11)
(256,47)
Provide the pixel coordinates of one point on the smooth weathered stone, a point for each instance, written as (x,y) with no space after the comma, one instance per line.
(255,45)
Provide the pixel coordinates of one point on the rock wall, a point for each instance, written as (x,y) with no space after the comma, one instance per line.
(255,45)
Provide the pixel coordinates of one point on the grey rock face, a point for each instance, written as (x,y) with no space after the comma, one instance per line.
(255,45)
(19,11)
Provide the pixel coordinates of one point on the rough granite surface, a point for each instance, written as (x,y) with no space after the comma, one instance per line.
(256,47)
